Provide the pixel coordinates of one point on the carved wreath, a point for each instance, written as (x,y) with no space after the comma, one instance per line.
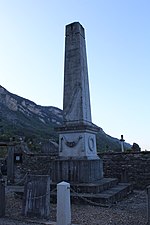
(72,144)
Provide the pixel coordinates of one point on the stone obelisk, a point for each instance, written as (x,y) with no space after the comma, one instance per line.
(78,159)
(76,102)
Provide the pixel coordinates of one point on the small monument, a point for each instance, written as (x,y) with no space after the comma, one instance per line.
(78,160)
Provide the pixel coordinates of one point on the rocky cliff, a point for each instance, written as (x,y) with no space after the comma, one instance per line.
(20,117)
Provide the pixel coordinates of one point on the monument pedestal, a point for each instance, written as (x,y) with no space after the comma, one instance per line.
(77,171)
(77,140)
(78,160)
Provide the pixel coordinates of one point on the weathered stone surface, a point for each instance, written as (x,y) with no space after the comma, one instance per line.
(77,135)
(128,167)
(77,171)
(76,103)
(2,198)
(78,145)
(63,204)
(36,200)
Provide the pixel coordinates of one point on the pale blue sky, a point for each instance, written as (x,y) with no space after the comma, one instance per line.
(32,34)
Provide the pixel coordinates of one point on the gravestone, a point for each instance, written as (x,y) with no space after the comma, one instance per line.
(36,200)
(78,160)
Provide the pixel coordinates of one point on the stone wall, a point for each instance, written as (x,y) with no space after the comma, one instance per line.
(128,167)
(36,164)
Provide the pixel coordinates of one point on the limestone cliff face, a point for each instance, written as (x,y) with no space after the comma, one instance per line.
(16,104)
(7,100)
(22,117)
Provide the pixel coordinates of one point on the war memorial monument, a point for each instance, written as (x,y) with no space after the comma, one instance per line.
(78,159)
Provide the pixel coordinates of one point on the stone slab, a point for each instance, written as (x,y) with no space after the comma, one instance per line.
(97,187)
(105,198)
(78,171)
(36,201)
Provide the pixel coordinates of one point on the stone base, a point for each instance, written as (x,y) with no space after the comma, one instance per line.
(77,140)
(77,171)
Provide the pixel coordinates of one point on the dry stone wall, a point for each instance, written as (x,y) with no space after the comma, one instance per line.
(128,167)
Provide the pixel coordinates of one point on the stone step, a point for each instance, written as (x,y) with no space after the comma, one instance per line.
(98,187)
(15,188)
(105,198)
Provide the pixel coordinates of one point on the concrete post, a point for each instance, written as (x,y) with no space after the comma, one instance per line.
(10,165)
(2,198)
(36,202)
(148,205)
(63,204)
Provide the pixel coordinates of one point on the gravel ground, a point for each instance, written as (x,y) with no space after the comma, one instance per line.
(132,210)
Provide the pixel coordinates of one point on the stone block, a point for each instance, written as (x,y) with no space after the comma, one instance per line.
(77,171)
(77,145)
(36,200)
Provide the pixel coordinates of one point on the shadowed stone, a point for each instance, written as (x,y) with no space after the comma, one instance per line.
(10,164)
(148,205)
(2,198)
(37,196)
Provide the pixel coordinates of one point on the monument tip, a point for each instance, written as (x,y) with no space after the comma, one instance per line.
(74,28)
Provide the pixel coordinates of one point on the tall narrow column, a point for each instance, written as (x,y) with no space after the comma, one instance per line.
(78,160)
(76,102)
(77,135)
